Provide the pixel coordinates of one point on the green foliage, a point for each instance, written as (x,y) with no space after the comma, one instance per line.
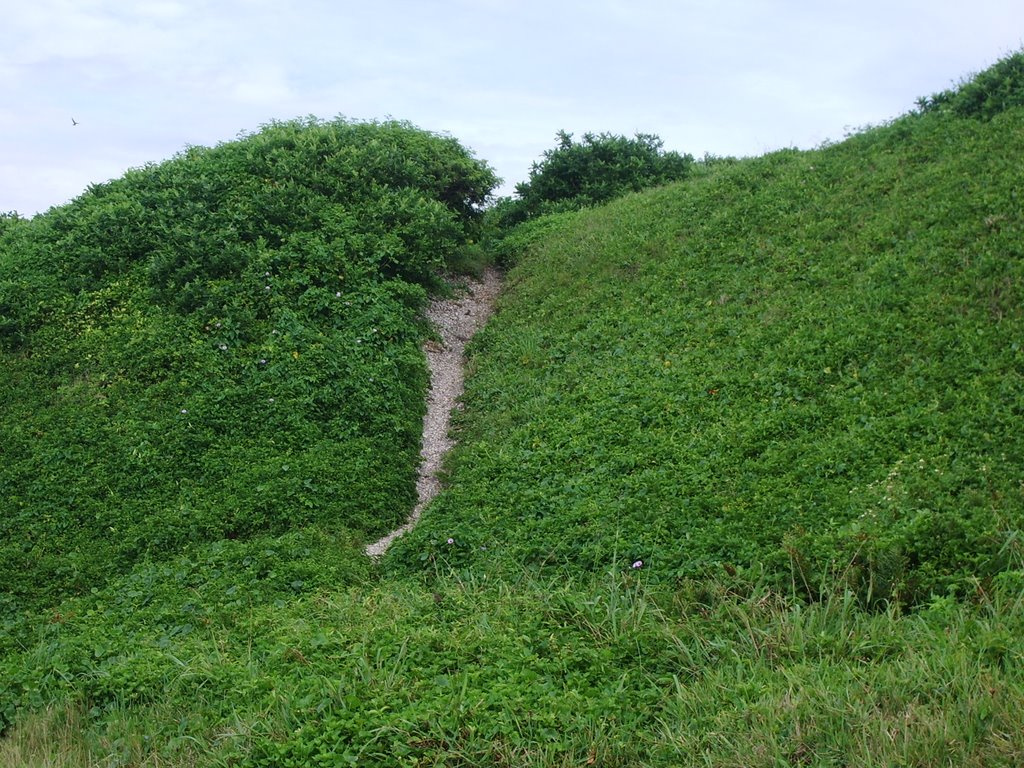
(997,89)
(809,361)
(606,670)
(9,221)
(221,346)
(124,643)
(738,480)
(595,170)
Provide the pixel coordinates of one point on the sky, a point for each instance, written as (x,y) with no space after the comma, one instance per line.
(144,79)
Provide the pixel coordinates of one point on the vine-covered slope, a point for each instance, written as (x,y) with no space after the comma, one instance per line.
(808,361)
(222,345)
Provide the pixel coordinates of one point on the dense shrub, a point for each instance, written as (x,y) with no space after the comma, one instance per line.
(595,170)
(222,345)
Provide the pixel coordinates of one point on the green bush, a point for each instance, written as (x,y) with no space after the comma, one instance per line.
(595,170)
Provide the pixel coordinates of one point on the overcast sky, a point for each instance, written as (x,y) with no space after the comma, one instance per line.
(728,77)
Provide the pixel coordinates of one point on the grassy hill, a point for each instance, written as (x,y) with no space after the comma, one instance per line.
(807,361)
(738,482)
(220,347)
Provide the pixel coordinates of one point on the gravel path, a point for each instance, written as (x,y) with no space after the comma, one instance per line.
(456,321)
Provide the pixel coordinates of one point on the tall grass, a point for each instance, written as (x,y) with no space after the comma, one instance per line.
(607,668)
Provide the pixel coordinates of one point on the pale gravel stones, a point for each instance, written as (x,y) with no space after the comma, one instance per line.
(456,320)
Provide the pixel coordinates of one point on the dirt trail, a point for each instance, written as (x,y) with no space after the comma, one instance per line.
(456,321)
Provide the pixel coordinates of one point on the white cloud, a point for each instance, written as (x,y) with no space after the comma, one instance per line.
(735,77)
(261,85)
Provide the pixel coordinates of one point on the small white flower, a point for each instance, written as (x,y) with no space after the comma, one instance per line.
(263,361)
(266,288)
(223,347)
(184,410)
(638,564)
(451,541)
(271,399)
(338,295)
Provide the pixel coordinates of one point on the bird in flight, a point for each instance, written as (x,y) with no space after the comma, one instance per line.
(73,121)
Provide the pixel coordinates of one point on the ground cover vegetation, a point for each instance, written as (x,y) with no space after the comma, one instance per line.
(807,360)
(221,346)
(738,485)
(594,170)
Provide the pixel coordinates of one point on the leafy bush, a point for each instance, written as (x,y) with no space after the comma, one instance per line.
(9,221)
(595,170)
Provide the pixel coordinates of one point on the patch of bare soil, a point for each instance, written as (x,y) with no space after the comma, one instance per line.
(456,320)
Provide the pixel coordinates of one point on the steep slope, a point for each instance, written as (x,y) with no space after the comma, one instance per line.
(807,361)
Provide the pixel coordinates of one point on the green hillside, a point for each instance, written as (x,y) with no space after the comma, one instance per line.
(739,479)
(222,346)
(808,360)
